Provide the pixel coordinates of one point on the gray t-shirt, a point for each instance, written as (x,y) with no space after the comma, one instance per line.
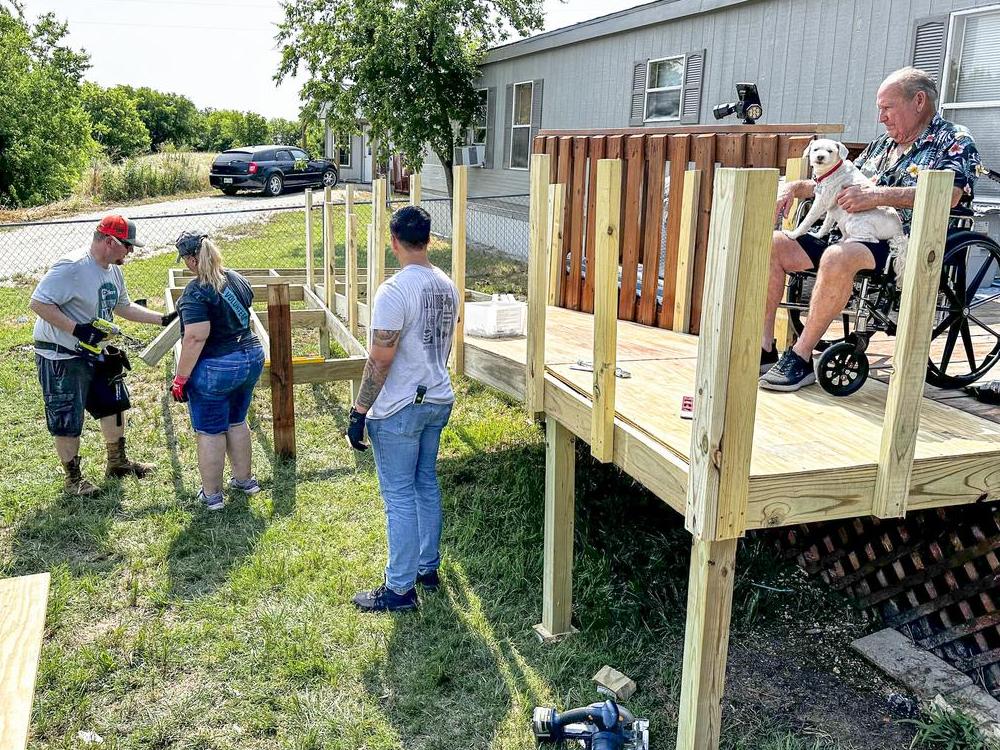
(83,291)
(422,303)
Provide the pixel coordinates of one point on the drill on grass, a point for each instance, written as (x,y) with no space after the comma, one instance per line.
(105,326)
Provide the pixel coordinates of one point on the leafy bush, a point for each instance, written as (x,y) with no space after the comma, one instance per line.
(146,177)
(115,121)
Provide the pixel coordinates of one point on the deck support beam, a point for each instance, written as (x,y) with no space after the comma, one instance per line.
(557,576)
(924,256)
(706,643)
(606,214)
(534,383)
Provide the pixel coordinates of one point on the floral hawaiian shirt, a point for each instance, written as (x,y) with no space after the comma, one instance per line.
(942,145)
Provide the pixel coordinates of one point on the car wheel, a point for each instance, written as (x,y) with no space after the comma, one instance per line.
(274,185)
(330,178)
(229,191)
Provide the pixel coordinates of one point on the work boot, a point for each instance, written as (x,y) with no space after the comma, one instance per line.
(75,483)
(119,464)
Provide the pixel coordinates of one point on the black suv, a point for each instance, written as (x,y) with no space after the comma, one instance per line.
(270,169)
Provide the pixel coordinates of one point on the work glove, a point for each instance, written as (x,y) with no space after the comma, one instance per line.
(168,318)
(89,334)
(178,388)
(356,431)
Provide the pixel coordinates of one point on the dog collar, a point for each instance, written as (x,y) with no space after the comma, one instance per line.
(833,169)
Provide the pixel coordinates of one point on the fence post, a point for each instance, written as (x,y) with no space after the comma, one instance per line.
(924,256)
(328,256)
(415,189)
(458,208)
(309,234)
(376,255)
(606,236)
(279,323)
(538,234)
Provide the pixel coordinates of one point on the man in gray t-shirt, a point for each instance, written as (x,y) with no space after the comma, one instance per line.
(406,398)
(85,286)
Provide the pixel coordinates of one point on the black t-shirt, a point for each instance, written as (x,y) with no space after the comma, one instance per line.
(228,312)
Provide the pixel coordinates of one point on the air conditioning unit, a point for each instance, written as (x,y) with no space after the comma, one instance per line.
(470,156)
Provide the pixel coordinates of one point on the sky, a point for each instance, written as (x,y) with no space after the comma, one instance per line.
(219,53)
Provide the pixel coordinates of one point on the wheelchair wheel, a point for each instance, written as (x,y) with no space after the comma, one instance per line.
(842,369)
(968,311)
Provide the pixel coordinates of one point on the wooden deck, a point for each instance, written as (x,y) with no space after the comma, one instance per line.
(814,456)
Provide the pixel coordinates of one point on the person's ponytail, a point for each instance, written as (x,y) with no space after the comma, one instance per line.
(210,269)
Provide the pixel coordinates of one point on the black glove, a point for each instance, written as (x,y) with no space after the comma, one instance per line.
(88,334)
(168,318)
(356,431)
(140,302)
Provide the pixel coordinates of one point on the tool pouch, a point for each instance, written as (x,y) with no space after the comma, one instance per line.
(108,393)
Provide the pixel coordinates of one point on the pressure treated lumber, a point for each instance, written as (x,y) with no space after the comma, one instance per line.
(380,237)
(924,255)
(328,371)
(605,274)
(415,189)
(257,326)
(557,575)
(162,344)
(685,250)
(537,286)
(351,279)
(557,265)
(706,642)
(339,330)
(309,247)
(22,625)
(459,200)
(282,393)
(329,248)
(725,397)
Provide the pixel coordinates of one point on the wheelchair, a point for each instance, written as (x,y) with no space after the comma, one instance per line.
(965,337)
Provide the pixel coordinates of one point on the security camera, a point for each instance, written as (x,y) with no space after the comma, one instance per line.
(748,108)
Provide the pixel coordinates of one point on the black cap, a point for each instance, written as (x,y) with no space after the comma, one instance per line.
(188,243)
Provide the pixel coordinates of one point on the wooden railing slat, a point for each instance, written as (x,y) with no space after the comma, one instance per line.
(703,156)
(763,150)
(730,149)
(552,149)
(656,157)
(631,233)
(578,189)
(564,174)
(677,155)
(596,150)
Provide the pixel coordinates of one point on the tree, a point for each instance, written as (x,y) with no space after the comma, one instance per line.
(115,121)
(409,68)
(45,140)
(254,129)
(282,131)
(170,118)
(223,130)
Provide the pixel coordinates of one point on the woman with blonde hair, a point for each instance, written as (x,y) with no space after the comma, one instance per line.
(221,360)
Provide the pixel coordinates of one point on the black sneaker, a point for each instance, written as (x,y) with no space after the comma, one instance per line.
(384,599)
(789,374)
(429,581)
(768,359)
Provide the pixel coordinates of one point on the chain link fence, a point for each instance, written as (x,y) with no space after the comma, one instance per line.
(275,237)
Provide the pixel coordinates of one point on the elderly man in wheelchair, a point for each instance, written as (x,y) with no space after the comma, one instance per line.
(856,279)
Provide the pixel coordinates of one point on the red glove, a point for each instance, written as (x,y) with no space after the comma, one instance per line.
(178,388)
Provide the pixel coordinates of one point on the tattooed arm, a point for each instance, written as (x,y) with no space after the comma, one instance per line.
(376,368)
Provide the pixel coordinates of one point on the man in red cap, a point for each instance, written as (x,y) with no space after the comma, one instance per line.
(81,288)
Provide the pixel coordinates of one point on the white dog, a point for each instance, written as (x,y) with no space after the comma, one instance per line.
(833,171)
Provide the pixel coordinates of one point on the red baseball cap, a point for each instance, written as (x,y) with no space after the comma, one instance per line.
(120,228)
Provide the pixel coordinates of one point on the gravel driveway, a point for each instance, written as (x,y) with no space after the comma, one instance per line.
(27,249)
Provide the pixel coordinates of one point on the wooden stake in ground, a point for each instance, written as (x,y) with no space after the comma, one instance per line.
(309,234)
(460,194)
(279,320)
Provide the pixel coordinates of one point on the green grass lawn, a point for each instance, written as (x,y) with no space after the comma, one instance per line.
(169,627)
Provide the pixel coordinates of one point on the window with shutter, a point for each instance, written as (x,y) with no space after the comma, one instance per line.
(971,91)
(637,112)
(664,79)
(520,125)
(928,45)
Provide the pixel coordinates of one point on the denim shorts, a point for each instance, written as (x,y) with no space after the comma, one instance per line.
(65,385)
(221,389)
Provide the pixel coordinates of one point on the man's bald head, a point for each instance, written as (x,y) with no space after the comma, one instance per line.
(911,81)
(906,103)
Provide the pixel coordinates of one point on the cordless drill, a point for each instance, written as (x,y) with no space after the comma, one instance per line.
(95,349)
(599,726)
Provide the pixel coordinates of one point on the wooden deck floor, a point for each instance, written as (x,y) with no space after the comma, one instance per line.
(814,456)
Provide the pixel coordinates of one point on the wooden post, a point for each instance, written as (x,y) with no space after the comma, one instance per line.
(557,576)
(279,322)
(460,195)
(557,263)
(534,375)
(377,261)
(924,255)
(351,275)
(415,189)
(329,278)
(22,626)
(796,168)
(706,642)
(309,236)
(327,194)
(606,235)
(685,250)
(725,399)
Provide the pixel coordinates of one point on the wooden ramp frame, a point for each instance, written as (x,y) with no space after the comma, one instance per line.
(737,466)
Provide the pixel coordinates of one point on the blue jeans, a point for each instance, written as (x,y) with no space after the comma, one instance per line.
(406,447)
(221,389)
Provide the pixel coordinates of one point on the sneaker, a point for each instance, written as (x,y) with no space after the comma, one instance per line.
(248,486)
(384,599)
(789,374)
(212,502)
(768,359)
(429,581)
